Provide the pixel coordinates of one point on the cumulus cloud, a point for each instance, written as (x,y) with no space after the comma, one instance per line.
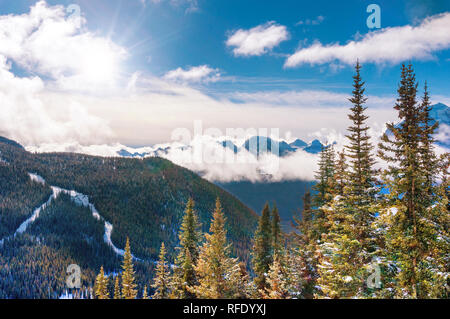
(27,116)
(389,45)
(258,40)
(48,42)
(196,74)
(62,57)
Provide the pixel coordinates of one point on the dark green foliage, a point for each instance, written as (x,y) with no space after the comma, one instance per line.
(30,269)
(34,264)
(262,249)
(190,238)
(361,176)
(18,197)
(417,234)
(73,230)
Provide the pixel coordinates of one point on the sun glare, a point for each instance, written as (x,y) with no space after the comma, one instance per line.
(100,67)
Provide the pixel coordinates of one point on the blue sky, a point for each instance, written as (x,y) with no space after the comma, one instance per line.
(164,35)
(204,52)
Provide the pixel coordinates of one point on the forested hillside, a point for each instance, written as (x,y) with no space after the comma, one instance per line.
(143,200)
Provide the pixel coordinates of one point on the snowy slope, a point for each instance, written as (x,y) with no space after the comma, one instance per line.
(78,199)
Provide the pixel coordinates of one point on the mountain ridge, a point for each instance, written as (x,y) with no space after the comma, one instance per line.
(143,199)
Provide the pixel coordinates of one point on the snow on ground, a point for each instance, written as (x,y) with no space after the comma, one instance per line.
(77,198)
(83,200)
(36,178)
(23,227)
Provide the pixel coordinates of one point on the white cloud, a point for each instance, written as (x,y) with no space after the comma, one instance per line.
(201,73)
(244,166)
(389,45)
(48,42)
(61,57)
(30,116)
(258,40)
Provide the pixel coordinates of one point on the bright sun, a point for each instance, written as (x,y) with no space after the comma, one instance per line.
(99,67)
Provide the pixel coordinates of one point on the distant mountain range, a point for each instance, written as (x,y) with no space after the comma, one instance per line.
(256,145)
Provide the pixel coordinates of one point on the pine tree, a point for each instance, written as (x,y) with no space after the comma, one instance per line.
(326,189)
(361,175)
(262,249)
(338,266)
(129,290)
(101,285)
(429,161)
(117,289)
(218,274)
(190,237)
(413,219)
(161,281)
(348,246)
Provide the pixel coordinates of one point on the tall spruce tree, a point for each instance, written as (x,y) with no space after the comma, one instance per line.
(429,160)
(262,249)
(359,199)
(361,174)
(217,273)
(190,238)
(348,246)
(162,278)
(129,290)
(413,237)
